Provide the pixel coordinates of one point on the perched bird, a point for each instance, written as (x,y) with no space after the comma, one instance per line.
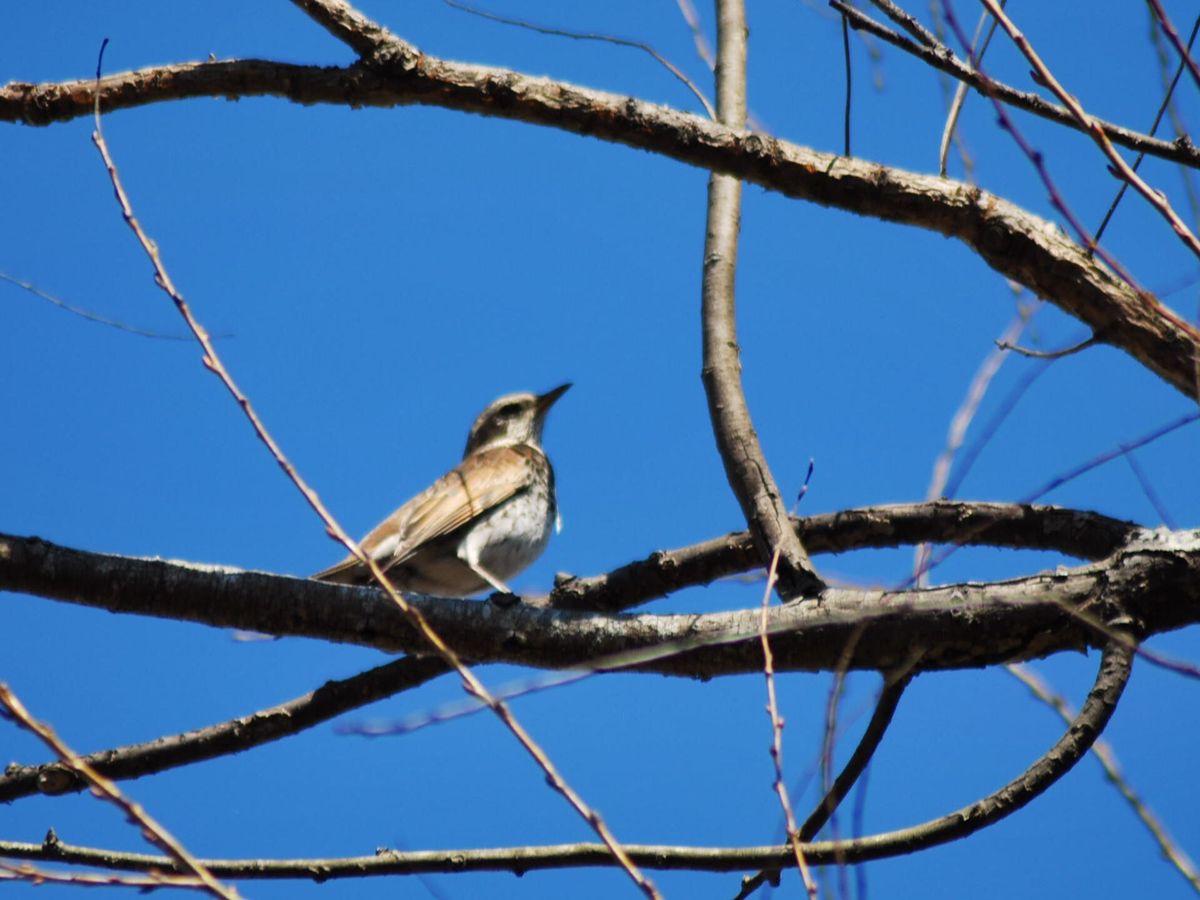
(482,522)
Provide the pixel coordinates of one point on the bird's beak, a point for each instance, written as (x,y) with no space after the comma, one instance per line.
(546,400)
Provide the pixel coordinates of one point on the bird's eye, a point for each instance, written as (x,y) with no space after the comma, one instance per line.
(508,410)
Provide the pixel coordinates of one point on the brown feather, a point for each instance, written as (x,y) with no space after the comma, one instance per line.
(482,481)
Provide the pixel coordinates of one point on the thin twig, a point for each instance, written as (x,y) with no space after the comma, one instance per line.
(1008,344)
(1005,408)
(703,48)
(961,421)
(146,883)
(589,36)
(107,790)
(960,93)
(1148,489)
(907,21)
(87,314)
(1108,761)
(776,749)
(942,58)
(1092,128)
(1173,36)
(829,737)
(1038,161)
(1178,127)
(1167,103)
(1100,459)
(471,682)
(849,89)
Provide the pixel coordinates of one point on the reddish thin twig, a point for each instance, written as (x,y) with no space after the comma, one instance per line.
(780,785)
(1092,128)
(471,683)
(1168,104)
(1173,36)
(105,789)
(37,877)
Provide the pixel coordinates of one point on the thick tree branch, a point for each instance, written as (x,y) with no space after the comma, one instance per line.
(135,760)
(364,36)
(1056,762)
(1084,535)
(741,454)
(1015,243)
(1154,581)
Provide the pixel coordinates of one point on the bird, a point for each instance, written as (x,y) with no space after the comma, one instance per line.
(481,523)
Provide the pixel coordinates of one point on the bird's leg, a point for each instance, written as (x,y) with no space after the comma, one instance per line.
(487,576)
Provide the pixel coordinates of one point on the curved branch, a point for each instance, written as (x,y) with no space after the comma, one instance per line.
(1083,731)
(741,454)
(135,760)
(885,708)
(1017,244)
(1115,667)
(1084,535)
(1154,581)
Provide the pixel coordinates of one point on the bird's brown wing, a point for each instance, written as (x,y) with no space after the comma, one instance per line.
(480,482)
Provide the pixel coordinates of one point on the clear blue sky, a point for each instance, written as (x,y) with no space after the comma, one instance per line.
(383,274)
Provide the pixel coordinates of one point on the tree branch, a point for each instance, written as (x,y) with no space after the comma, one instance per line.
(1084,535)
(135,760)
(938,56)
(1015,243)
(741,454)
(885,708)
(1056,762)
(1154,581)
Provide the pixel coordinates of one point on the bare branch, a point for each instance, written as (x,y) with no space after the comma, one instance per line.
(429,637)
(741,454)
(39,877)
(889,698)
(1173,36)
(151,829)
(942,58)
(87,314)
(1167,104)
(1104,755)
(1007,344)
(1091,127)
(1154,579)
(1056,762)
(349,26)
(590,36)
(135,760)
(1078,534)
(776,747)
(1018,245)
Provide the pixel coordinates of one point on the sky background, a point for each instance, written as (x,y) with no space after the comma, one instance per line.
(379,276)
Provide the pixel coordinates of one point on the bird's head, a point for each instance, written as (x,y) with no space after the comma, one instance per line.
(513,419)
